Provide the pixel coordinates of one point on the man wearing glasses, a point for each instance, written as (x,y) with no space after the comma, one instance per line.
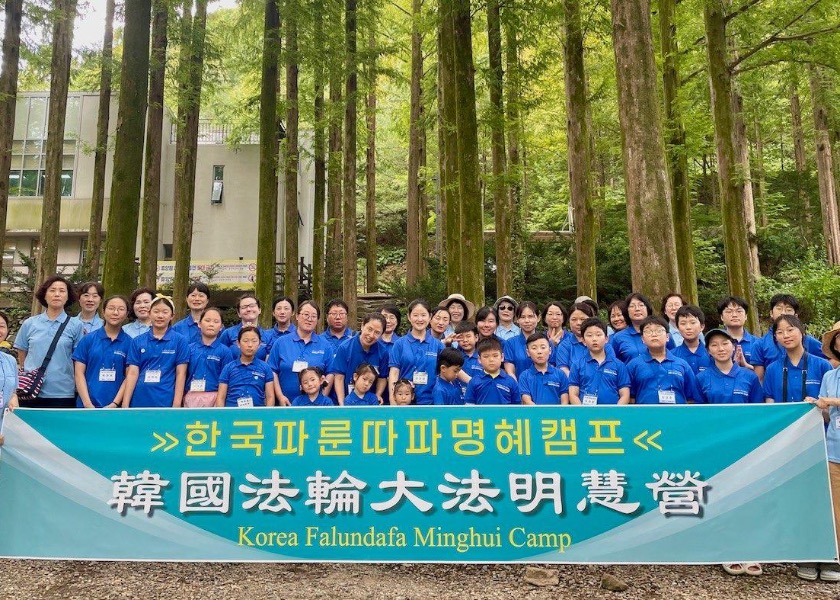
(337,330)
(733,314)
(248,308)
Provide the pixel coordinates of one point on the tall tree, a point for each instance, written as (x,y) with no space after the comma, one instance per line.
(825,165)
(742,148)
(761,176)
(62,45)
(800,164)
(269,158)
(370,154)
(13,12)
(123,215)
(320,156)
(650,221)
(335,238)
(350,118)
(154,137)
(415,216)
(290,280)
(94,241)
(513,90)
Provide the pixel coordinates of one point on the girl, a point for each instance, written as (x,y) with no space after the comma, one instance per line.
(554,317)
(616,313)
(403,393)
(139,306)
(208,357)
(796,375)
(90,296)
(364,348)
(157,362)
(198,297)
(100,359)
(311,383)
(516,348)
(363,380)
(414,356)
(487,321)
(249,381)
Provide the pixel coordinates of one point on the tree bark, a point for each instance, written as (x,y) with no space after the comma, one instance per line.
(320,157)
(514,135)
(799,160)
(450,198)
(414,257)
(335,237)
(154,137)
(577,126)
(350,117)
(121,241)
(742,147)
(370,160)
(8,103)
(653,252)
(825,166)
(292,273)
(761,176)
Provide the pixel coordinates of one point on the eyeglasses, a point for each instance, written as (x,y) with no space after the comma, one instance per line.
(733,310)
(505,308)
(246,306)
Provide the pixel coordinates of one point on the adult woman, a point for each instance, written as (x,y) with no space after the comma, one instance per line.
(572,350)
(35,337)
(487,321)
(671,303)
(198,297)
(554,316)
(439,323)
(90,297)
(392,323)
(628,343)
(616,313)
(459,309)
(8,370)
(796,376)
(157,362)
(293,353)
(248,381)
(414,356)
(362,348)
(506,310)
(283,311)
(100,359)
(139,306)
(208,357)
(516,348)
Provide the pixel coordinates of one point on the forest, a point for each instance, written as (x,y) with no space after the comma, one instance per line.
(536,148)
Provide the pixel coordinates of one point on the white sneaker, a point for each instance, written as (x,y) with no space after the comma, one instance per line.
(830,574)
(807,573)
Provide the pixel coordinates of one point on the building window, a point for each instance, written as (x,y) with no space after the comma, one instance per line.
(218,184)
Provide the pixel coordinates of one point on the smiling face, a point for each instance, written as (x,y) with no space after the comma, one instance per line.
(142,305)
(283,313)
(89,300)
(370,333)
(637,310)
(506,312)
(721,348)
(310,383)
(390,321)
(528,321)
(487,327)
(115,312)
(672,306)
(456,312)
(617,319)
(419,318)
(197,300)
(161,315)
(4,329)
(307,319)
(734,316)
(249,310)
(439,322)
(788,336)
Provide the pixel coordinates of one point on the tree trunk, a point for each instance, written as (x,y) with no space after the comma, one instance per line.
(514,134)
(677,157)
(799,160)
(735,231)
(653,252)
(761,176)
(62,45)
(742,147)
(828,194)
(577,126)
(423,201)
(320,157)
(8,103)
(350,90)
(290,280)
(450,198)
(370,160)
(413,255)
(121,241)
(335,237)
(269,158)
(154,137)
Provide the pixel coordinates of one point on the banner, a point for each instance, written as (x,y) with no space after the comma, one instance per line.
(632,484)
(222,274)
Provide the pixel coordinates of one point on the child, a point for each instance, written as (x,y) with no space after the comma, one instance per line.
(724,382)
(690,321)
(414,356)
(363,380)
(542,383)
(208,356)
(492,385)
(466,335)
(311,384)
(599,378)
(248,381)
(446,391)
(403,393)
(657,376)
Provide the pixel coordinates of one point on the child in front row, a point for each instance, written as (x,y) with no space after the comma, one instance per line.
(466,333)
(447,392)
(492,385)
(599,378)
(403,393)
(542,383)
(311,384)
(363,379)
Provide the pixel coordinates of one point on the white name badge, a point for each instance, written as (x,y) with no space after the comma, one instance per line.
(299,365)
(152,376)
(667,397)
(836,421)
(590,399)
(107,374)
(245,402)
(349,388)
(420,378)
(197,385)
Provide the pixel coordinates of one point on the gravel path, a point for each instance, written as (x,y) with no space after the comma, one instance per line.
(67,580)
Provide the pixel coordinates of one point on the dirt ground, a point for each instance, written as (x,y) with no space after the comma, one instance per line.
(66,580)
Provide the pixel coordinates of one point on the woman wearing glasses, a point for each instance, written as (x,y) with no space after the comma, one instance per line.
(506,310)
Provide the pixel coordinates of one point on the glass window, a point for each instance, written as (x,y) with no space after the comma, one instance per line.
(14,183)
(21,116)
(71,121)
(36,129)
(29,183)
(218,172)
(67,183)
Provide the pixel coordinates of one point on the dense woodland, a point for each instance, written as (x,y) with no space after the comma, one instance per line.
(696,141)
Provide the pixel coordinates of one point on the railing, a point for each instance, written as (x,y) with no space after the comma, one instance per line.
(304,279)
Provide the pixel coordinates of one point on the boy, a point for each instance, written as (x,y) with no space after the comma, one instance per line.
(492,385)
(447,392)
(733,314)
(542,383)
(657,376)
(466,334)
(599,378)
(690,321)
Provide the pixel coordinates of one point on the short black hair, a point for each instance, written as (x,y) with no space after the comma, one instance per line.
(392,309)
(84,287)
(667,297)
(248,328)
(791,320)
(556,304)
(245,296)
(736,300)
(641,298)
(689,310)
(593,322)
(584,307)
(488,344)
(198,286)
(280,299)
(524,305)
(653,320)
(41,294)
(788,299)
(449,357)
(336,302)
(535,337)
(465,327)
(485,311)
(136,294)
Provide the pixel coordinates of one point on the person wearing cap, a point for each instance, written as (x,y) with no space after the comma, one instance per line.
(796,375)
(506,310)
(459,308)
(657,376)
(831,346)
(724,382)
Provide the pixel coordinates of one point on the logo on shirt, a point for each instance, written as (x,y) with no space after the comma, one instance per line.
(552,384)
(216,358)
(741,392)
(119,353)
(317,352)
(503,388)
(610,372)
(677,373)
(168,352)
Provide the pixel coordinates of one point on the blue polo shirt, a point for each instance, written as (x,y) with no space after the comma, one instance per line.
(369,399)
(775,375)
(830,388)
(320,400)
(747,344)
(544,388)
(766,350)
(603,380)
(516,353)
(97,352)
(206,363)
(336,340)
(88,326)
(411,356)
(8,380)
(698,361)
(486,389)
(572,351)
(136,329)
(627,344)
(648,377)
(272,335)
(739,386)
(447,393)
(246,381)
(188,328)
(149,353)
(230,335)
(351,354)
(471,367)
(35,337)
(291,349)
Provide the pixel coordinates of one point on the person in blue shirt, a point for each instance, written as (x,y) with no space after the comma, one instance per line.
(460,309)
(403,393)
(283,311)
(542,383)
(292,353)
(352,352)
(363,380)
(249,309)
(690,321)
(198,298)
(506,309)
(492,386)
(447,392)
(139,305)
(724,382)
(796,375)
(466,333)
(766,350)
(100,359)
(208,357)
(337,330)
(90,297)
(414,356)
(733,315)
(616,312)
(657,376)
(628,344)
(8,372)
(392,324)
(312,382)
(554,317)
(599,378)
(516,347)
(572,350)
(486,321)
(248,381)
(439,325)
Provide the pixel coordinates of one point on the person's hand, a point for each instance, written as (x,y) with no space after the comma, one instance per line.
(739,357)
(13,402)
(822,403)
(381,399)
(284,401)
(812,400)
(447,341)
(111,405)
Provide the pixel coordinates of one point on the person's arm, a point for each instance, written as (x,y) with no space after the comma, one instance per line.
(759,370)
(564,398)
(118,399)
(510,369)
(463,376)
(393,376)
(380,389)
(81,384)
(132,374)
(574,395)
(21,356)
(180,382)
(280,398)
(565,369)
(221,395)
(340,388)
(330,379)
(526,398)
(624,395)
(269,393)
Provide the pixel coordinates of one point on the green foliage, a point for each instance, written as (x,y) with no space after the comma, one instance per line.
(432,287)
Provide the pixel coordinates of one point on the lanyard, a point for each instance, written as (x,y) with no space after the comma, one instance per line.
(785,377)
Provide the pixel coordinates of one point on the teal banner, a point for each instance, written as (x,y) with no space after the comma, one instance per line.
(618,484)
